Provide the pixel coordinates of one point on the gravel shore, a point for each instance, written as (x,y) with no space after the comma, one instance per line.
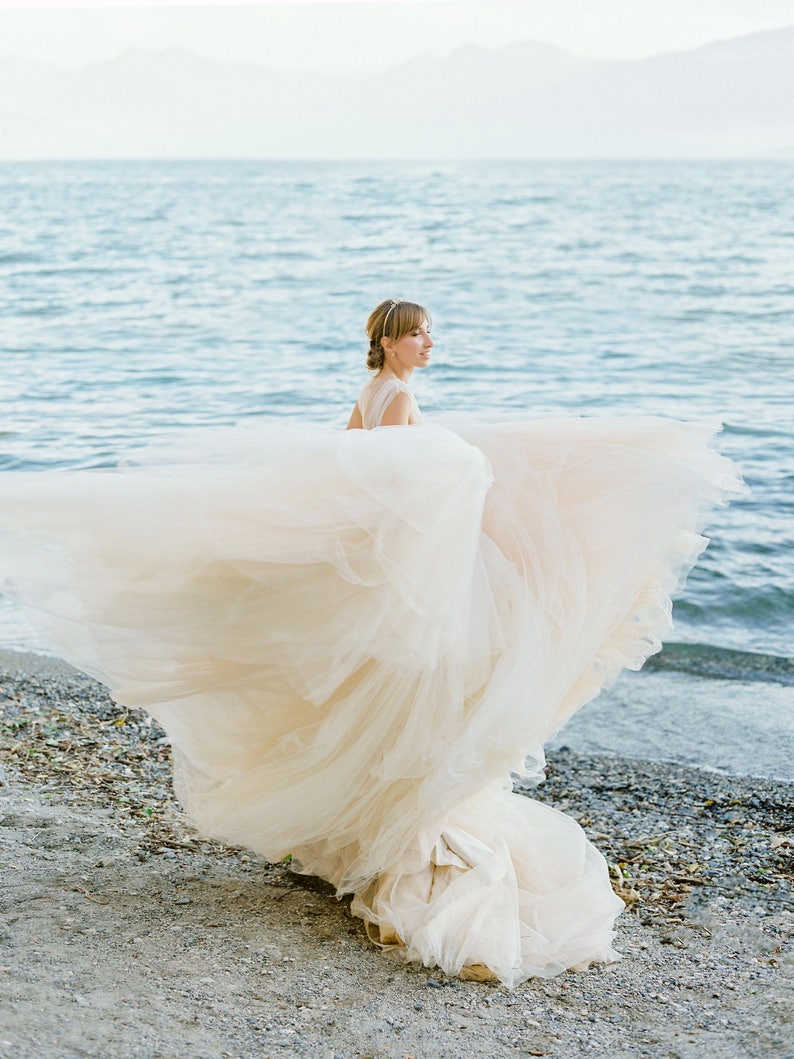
(123,934)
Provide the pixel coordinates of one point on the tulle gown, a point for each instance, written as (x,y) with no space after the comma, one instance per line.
(354,638)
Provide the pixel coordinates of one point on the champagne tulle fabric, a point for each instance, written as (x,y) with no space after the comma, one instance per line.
(354,638)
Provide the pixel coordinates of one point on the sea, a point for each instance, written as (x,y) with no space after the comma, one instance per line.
(141,299)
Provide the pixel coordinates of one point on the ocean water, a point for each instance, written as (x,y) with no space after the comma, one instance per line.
(139,299)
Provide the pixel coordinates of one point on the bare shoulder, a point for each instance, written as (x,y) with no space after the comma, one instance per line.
(398,411)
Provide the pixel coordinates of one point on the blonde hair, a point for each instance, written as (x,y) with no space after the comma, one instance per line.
(394,319)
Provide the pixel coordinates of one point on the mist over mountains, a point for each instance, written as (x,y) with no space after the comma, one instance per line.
(728,99)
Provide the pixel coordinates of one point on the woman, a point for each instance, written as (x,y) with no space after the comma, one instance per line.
(399,341)
(354,638)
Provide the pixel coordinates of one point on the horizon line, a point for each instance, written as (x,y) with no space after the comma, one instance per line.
(391,160)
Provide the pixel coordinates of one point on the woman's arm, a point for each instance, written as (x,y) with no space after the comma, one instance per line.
(355,422)
(398,413)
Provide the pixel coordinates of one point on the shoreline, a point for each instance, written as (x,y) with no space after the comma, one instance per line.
(126,934)
(598,730)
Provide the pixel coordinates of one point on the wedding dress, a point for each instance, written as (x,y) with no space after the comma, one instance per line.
(355,638)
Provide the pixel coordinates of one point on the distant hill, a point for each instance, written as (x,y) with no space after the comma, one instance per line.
(727,99)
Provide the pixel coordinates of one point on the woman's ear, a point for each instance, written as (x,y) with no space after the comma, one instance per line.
(387,345)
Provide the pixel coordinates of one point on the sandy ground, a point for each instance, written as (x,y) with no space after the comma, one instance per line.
(123,934)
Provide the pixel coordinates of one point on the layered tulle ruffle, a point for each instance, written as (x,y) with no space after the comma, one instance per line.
(353,639)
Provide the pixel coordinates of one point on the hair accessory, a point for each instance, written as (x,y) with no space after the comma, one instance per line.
(394,301)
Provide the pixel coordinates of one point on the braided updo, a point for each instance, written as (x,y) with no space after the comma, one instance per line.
(394,319)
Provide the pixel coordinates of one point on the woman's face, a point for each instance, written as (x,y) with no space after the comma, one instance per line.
(413,349)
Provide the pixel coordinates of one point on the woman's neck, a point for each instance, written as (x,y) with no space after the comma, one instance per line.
(401,373)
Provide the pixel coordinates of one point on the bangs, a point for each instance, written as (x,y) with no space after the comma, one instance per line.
(404,318)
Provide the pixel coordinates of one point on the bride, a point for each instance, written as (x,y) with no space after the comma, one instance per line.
(399,341)
(354,640)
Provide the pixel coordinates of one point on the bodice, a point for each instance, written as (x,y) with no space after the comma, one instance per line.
(376,396)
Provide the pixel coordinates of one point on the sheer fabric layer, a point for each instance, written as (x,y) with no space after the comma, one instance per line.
(353,639)
(376,396)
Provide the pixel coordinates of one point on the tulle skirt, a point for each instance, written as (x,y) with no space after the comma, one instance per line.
(354,639)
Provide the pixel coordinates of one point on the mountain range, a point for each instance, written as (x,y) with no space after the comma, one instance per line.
(732,98)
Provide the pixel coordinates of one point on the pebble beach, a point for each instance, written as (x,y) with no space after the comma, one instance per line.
(125,934)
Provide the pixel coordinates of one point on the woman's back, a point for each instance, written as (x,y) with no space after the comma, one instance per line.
(376,396)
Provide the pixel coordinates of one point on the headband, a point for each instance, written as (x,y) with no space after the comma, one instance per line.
(394,301)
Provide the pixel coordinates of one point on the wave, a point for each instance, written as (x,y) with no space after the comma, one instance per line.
(722,663)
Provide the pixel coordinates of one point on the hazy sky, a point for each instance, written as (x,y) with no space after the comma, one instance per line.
(373,34)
